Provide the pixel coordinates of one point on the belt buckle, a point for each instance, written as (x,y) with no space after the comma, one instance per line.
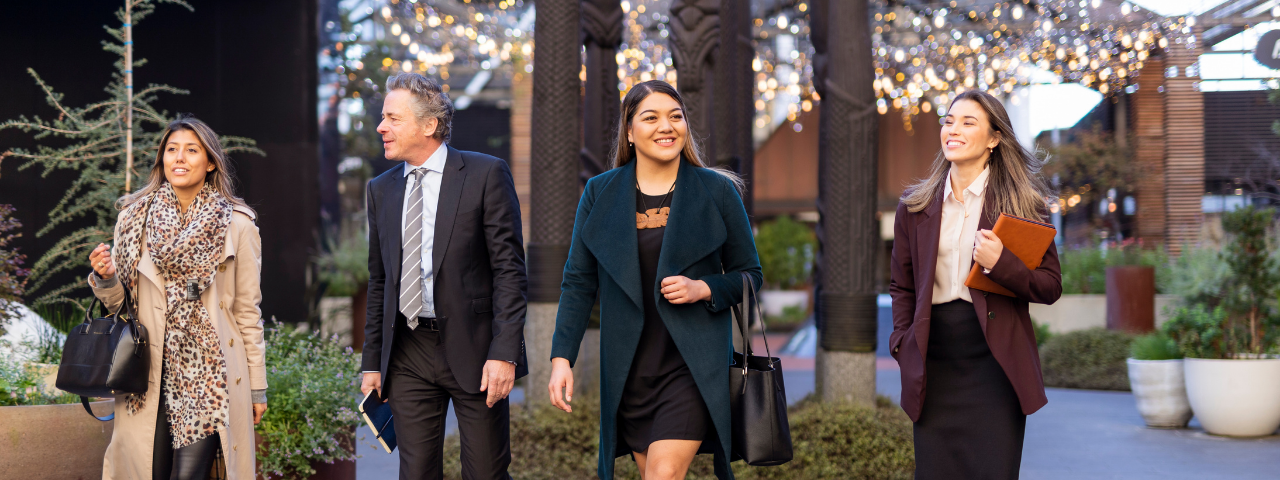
(430,323)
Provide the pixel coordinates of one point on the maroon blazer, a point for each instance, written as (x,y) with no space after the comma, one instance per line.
(1005,320)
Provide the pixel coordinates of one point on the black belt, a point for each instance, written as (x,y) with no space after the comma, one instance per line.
(429,323)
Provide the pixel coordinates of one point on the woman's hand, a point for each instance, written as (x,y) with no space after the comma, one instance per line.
(258,410)
(680,289)
(100,260)
(987,248)
(561,383)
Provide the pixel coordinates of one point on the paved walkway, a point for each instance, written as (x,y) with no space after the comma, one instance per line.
(1080,434)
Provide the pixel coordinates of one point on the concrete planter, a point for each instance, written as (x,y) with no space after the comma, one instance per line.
(54,442)
(1160,392)
(774,301)
(1236,398)
(335,318)
(1084,311)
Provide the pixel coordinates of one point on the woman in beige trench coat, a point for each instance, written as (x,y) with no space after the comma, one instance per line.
(185,237)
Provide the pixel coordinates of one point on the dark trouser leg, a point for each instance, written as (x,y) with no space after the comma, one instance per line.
(485,432)
(418,404)
(162,450)
(195,461)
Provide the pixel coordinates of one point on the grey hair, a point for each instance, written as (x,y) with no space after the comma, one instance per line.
(429,101)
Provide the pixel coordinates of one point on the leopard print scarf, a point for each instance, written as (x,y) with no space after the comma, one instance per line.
(183,246)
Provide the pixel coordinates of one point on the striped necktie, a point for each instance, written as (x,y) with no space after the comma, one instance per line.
(411,254)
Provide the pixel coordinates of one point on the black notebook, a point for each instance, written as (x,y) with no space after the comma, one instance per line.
(377,414)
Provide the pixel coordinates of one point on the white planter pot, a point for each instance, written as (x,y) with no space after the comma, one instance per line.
(773,301)
(1237,398)
(1160,392)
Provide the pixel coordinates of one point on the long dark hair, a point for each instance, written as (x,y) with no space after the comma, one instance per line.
(1015,171)
(222,178)
(623,153)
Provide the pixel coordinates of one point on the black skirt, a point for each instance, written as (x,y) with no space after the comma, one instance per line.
(971,425)
(662,407)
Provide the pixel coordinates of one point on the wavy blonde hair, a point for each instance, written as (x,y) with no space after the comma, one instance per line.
(692,152)
(222,177)
(1014,178)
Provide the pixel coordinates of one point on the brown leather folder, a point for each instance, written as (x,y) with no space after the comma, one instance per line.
(1027,239)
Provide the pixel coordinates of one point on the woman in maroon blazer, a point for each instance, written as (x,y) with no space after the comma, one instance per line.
(970,368)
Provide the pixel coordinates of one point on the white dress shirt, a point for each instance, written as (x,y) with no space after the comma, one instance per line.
(956,239)
(430,199)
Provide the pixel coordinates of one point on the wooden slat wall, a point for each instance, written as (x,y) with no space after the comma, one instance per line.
(521,116)
(1184,160)
(1147,116)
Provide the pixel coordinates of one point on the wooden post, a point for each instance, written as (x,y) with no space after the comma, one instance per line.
(128,92)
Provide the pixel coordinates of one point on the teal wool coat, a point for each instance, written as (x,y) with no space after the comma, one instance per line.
(708,237)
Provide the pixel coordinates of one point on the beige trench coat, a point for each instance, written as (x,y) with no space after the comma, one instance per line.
(232,302)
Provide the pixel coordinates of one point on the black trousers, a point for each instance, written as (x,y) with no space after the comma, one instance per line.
(192,462)
(971,426)
(419,387)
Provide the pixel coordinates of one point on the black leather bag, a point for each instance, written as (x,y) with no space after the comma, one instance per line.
(106,356)
(757,396)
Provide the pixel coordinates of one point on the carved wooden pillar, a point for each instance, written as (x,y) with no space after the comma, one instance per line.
(848,233)
(695,34)
(553,175)
(733,94)
(602,34)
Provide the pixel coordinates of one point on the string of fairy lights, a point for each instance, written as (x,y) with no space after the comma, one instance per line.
(923,56)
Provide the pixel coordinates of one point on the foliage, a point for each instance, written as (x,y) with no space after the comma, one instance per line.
(1042,332)
(831,441)
(311,418)
(1092,359)
(1198,275)
(1154,346)
(1250,293)
(12,275)
(1198,331)
(792,316)
(1084,269)
(1088,169)
(345,265)
(25,386)
(90,140)
(786,249)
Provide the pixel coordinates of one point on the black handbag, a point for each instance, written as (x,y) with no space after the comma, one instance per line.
(106,356)
(757,396)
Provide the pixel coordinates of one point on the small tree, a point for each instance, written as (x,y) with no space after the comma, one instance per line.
(12,275)
(1250,294)
(786,249)
(92,141)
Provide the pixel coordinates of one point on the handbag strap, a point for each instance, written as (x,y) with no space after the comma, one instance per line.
(745,311)
(85,401)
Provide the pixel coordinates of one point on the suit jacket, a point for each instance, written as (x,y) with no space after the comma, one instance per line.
(1004,320)
(708,237)
(478,262)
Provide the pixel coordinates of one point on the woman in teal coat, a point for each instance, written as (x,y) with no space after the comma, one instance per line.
(664,241)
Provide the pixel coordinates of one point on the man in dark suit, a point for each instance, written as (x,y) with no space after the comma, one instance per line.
(446,287)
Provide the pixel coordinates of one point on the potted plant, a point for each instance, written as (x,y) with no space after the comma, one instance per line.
(1131,286)
(37,422)
(1231,370)
(786,248)
(309,431)
(1156,380)
(344,270)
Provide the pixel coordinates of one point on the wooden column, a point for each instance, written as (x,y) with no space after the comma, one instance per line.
(1184,155)
(1147,117)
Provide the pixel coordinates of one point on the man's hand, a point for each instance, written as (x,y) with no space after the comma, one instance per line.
(372,381)
(498,378)
(258,410)
(681,289)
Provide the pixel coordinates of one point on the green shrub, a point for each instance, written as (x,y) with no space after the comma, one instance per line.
(786,248)
(24,386)
(1197,331)
(792,316)
(830,441)
(1092,359)
(1154,346)
(344,267)
(311,383)
(1197,275)
(1042,332)
(1084,270)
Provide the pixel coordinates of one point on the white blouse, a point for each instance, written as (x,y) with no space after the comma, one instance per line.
(956,239)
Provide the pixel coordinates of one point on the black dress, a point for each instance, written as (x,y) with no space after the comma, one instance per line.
(971,425)
(660,400)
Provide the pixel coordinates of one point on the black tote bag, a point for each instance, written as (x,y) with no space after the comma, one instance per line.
(757,396)
(105,356)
